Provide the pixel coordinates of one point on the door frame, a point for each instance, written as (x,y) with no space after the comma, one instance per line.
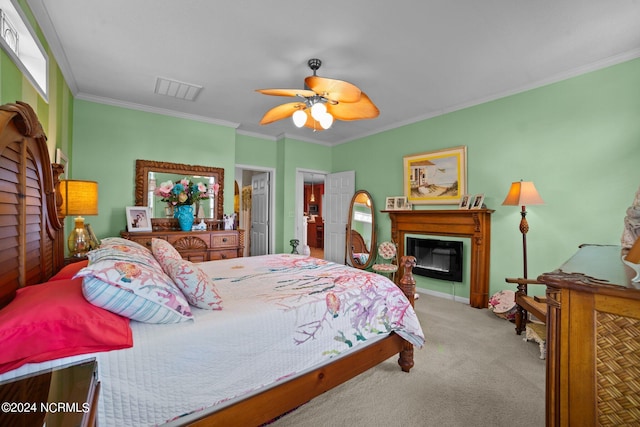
(239,168)
(299,211)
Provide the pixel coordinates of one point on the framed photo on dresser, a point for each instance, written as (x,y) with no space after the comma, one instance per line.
(138,218)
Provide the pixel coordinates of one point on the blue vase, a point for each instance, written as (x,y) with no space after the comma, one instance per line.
(184,215)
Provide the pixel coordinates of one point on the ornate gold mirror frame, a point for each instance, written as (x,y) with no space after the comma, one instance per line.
(143,167)
(361,226)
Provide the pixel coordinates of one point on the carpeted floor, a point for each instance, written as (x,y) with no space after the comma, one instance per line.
(473,371)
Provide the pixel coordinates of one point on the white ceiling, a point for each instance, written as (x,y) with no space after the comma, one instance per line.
(415,59)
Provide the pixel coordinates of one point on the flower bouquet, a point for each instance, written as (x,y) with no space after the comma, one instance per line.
(181,197)
(183,192)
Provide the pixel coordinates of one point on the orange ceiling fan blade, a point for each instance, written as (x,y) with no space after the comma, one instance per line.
(287,92)
(281,112)
(334,90)
(363,109)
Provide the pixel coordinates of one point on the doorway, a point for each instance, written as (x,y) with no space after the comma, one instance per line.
(256,219)
(338,190)
(310,208)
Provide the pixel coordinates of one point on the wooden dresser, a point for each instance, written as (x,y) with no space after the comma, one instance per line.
(196,246)
(593,341)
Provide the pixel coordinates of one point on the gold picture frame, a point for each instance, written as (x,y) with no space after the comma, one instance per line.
(436,177)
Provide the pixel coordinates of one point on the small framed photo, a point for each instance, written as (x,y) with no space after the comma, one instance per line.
(477,201)
(464,202)
(402,204)
(138,218)
(390,204)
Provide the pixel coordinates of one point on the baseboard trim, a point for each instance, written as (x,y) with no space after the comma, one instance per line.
(442,295)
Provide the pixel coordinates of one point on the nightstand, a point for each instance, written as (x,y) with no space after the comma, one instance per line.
(64,396)
(72,259)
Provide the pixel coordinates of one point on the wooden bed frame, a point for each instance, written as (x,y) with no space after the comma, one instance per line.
(32,250)
(357,243)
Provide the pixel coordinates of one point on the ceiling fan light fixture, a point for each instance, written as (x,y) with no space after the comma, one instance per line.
(326,121)
(299,118)
(318,110)
(321,103)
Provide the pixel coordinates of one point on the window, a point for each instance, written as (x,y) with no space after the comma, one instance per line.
(19,41)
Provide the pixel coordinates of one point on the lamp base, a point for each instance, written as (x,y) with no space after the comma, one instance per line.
(78,241)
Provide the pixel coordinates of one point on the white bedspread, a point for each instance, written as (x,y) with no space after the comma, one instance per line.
(282,315)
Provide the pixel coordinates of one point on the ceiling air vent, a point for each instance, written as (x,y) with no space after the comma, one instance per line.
(176,89)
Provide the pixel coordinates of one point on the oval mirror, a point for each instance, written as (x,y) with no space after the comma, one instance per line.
(361,231)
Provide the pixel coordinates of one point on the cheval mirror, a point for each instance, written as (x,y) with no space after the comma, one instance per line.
(361,231)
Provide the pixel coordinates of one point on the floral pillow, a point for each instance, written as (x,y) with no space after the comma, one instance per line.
(134,290)
(123,253)
(120,241)
(194,283)
(163,250)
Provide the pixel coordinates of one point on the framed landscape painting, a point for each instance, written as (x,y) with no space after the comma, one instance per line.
(436,177)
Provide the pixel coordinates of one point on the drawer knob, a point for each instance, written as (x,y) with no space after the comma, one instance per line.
(224,256)
(224,239)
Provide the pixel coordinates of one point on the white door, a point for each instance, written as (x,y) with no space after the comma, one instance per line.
(259,214)
(338,191)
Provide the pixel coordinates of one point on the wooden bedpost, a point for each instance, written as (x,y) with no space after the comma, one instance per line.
(408,286)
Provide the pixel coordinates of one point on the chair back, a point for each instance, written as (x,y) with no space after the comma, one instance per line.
(387,250)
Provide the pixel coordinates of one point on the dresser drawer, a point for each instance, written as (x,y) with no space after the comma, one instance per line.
(226,254)
(194,256)
(145,240)
(196,246)
(224,240)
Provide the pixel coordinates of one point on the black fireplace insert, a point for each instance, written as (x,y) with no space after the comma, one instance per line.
(438,259)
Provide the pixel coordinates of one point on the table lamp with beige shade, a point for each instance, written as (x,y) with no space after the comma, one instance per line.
(79,198)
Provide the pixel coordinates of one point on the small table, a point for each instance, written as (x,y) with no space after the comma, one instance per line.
(64,396)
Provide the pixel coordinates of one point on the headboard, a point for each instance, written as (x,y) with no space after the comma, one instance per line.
(31,234)
(358,245)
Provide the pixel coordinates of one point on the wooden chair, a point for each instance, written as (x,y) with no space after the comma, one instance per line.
(528,304)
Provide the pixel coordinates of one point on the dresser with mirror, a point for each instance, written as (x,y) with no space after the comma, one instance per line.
(212,243)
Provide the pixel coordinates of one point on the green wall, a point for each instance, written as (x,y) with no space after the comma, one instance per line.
(578,140)
(108,140)
(285,156)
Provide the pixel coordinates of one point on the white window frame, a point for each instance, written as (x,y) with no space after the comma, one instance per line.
(31,57)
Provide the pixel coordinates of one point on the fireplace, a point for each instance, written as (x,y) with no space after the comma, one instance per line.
(474,224)
(438,259)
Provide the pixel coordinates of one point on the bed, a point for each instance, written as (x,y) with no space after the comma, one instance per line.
(150,378)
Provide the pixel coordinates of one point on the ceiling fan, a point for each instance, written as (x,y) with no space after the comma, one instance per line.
(324,101)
